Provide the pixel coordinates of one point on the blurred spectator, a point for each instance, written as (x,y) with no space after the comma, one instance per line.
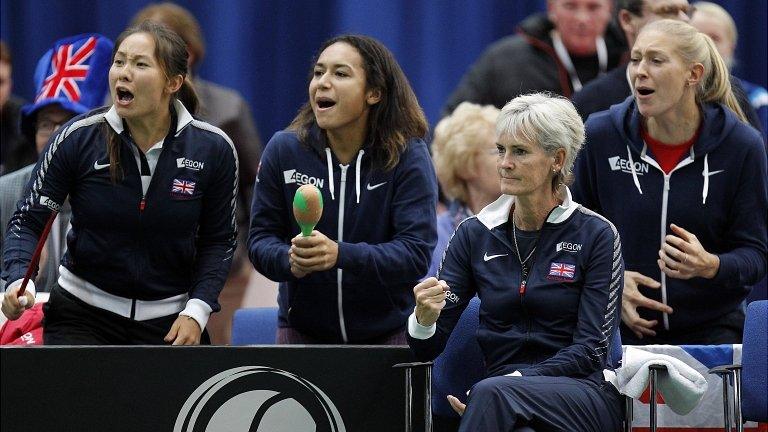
(683,177)
(56,102)
(613,87)
(717,23)
(11,159)
(556,52)
(224,108)
(464,152)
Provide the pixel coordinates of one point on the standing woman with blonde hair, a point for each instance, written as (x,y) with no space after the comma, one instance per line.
(683,177)
(153,195)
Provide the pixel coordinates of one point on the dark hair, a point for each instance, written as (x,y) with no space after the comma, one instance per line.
(180,21)
(635,7)
(171,54)
(5,53)
(395,119)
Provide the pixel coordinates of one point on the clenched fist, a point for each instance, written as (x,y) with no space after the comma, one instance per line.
(430,300)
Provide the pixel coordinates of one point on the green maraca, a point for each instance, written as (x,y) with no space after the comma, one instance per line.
(307,208)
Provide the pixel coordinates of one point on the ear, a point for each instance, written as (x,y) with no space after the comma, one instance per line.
(174,84)
(373,97)
(559,160)
(695,74)
(625,21)
(551,11)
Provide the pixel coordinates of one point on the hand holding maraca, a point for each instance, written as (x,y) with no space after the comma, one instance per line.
(311,250)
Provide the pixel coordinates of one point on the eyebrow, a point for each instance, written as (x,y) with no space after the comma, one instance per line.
(335,65)
(138,56)
(651,51)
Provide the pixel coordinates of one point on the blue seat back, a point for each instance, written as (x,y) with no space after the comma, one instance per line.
(254,326)
(754,363)
(461,363)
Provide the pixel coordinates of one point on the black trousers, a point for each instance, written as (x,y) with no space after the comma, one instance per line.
(543,404)
(70,321)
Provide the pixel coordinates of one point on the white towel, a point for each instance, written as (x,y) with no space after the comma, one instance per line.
(681,386)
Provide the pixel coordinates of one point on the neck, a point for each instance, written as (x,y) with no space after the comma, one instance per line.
(530,212)
(346,144)
(677,125)
(149,130)
(477,199)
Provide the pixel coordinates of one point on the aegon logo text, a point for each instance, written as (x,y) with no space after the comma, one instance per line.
(44,200)
(189,163)
(619,164)
(451,296)
(293,176)
(568,247)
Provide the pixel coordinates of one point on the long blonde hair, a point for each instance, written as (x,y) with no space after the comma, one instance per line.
(695,47)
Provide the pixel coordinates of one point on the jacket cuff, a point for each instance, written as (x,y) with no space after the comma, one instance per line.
(347,253)
(725,272)
(30,286)
(197,310)
(418,331)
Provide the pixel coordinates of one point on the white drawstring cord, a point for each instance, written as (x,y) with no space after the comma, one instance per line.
(357,174)
(330,171)
(634,172)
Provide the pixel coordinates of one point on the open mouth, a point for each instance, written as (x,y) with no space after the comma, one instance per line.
(645,91)
(124,95)
(324,103)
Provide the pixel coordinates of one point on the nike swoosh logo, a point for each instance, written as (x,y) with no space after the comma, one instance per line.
(97,166)
(487,257)
(711,173)
(372,187)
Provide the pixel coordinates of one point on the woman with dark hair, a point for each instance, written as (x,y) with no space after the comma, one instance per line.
(152,192)
(359,140)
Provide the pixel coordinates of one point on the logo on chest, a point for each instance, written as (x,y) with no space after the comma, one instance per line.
(562,272)
(189,164)
(293,176)
(625,166)
(182,189)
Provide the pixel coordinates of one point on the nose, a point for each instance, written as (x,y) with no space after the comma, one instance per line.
(324,80)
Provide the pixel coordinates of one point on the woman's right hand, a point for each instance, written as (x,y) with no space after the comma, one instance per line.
(631,299)
(13,306)
(430,300)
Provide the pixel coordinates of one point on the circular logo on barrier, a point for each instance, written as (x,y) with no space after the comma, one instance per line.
(258,399)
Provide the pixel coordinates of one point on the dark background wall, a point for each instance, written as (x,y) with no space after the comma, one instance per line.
(263,48)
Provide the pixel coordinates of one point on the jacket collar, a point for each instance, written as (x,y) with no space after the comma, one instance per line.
(497,212)
(184,118)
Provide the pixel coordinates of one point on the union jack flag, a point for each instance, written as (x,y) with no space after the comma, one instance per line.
(183,187)
(66,70)
(562,270)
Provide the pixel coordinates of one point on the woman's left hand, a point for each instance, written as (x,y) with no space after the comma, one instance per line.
(184,331)
(314,253)
(683,257)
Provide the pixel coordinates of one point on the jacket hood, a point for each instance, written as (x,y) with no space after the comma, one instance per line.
(717,123)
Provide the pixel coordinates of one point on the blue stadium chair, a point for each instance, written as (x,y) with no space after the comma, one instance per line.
(254,326)
(461,365)
(745,386)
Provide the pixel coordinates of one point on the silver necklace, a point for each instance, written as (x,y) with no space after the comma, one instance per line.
(524,268)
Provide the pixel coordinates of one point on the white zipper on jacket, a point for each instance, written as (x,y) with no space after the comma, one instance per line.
(664,201)
(340,238)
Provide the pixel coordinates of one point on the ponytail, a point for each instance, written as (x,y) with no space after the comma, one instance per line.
(715,87)
(188,96)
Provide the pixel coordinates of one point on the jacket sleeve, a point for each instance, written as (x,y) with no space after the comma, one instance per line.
(268,236)
(456,271)
(48,187)
(217,233)
(745,262)
(406,256)
(598,313)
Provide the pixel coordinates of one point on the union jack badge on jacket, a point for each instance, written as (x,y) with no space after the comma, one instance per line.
(562,272)
(73,74)
(182,188)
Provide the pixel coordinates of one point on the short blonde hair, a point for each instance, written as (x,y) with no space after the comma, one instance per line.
(548,120)
(717,12)
(456,145)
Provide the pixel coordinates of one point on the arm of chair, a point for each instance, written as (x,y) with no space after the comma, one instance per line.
(409,367)
(725,372)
